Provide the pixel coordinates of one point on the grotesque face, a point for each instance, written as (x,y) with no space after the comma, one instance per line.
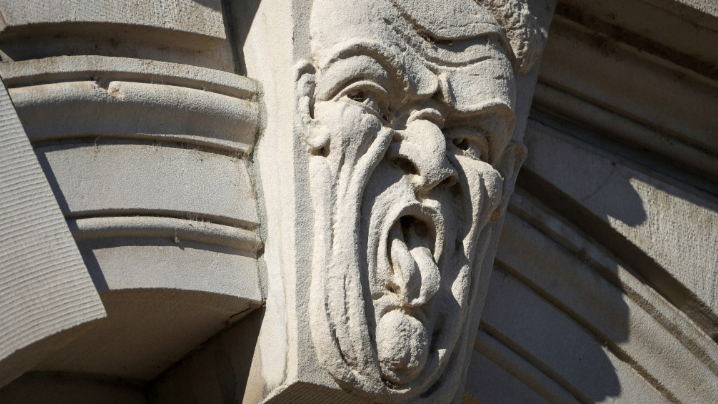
(411,164)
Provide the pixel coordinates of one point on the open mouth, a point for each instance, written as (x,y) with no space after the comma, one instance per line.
(402,337)
(410,248)
(415,274)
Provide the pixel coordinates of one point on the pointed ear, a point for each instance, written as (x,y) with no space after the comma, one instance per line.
(509,167)
(304,86)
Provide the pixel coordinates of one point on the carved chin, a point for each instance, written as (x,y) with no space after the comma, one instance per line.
(402,346)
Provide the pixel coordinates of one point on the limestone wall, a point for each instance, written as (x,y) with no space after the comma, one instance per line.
(144,117)
(144,132)
(604,289)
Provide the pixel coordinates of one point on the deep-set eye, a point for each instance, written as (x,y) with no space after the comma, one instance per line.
(368,94)
(364,97)
(461,143)
(471,143)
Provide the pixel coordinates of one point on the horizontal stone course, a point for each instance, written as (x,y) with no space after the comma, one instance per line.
(165,227)
(94,67)
(203,21)
(602,307)
(136,110)
(515,315)
(137,179)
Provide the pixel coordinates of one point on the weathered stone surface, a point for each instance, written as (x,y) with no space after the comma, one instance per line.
(635,322)
(629,130)
(204,19)
(146,331)
(50,388)
(405,144)
(515,364)
(140,262)
(700,12)
(44,286)
(105,68)
(631,83)
(216,373)
(674,226)
(181,31)
(681,31)
(389,137)
(164,227)
(591,373)
(97,97)
(168,242)
(111,179)
(136,110)
(489,383)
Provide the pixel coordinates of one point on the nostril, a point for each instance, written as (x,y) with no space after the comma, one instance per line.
(405,164)
(461,143)
(324,151)
(393,288)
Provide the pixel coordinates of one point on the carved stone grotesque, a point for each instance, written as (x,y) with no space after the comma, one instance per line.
(407,112)
(407,119)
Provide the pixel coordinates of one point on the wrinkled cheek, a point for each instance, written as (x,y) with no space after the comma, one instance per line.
(494,183)
(349,126)
(484,185)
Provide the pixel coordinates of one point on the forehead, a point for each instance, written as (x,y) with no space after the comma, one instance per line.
(454,46)
(334,21)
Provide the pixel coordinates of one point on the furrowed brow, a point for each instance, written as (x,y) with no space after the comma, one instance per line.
(381,54)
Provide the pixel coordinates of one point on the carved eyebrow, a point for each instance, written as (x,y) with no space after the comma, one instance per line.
(355,68)
(486,119)
(382,54)
(492,109)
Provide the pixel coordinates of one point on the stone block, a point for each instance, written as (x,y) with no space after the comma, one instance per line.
(634,321)
(631,83)
(489,383)
(119,109)
(137,179)
(44,285)
(147,330)
(671,227)
(516,316)
(198,22)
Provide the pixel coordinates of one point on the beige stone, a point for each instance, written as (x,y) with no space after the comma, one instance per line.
(402,161)
(175,17)
(639,206)
(170,243)
(297,201)
(133,110)
(44,287)
(137,179)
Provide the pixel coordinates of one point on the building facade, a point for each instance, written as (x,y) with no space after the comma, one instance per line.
(389,201)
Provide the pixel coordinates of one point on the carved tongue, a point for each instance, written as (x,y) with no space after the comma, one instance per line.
(402,339)
(415,271)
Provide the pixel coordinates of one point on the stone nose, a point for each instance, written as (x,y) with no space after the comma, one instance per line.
(420,150)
